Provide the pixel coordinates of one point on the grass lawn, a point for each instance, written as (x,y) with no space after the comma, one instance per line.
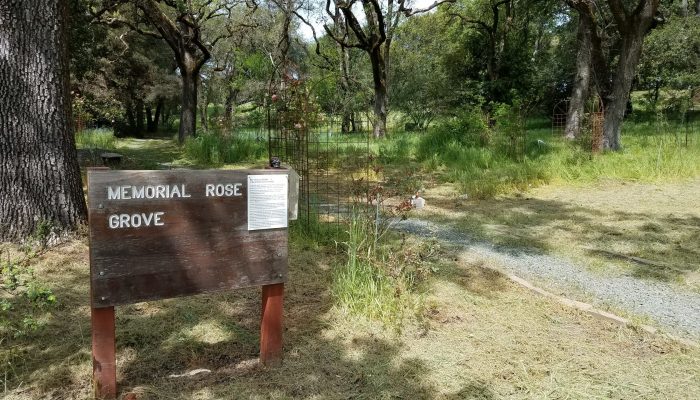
(595,224)
(457,330)
(477,336)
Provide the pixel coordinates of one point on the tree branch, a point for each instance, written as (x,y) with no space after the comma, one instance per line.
(464,19)
(340,41)
(354,25)
(409,11)
(619,14)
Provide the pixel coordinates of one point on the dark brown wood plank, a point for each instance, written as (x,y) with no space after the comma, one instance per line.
(200,245)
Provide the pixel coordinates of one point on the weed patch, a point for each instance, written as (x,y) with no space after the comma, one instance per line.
(486,168)
(214,149)
(381,281)
(95,139)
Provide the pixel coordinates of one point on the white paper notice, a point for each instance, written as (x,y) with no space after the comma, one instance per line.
(267,201)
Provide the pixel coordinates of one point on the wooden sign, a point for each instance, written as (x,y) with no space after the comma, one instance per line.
(163,234)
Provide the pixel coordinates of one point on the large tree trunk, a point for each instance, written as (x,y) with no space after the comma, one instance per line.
(39,174)
(632,27)
(381,98)
(149,118)
(139,118)
(631,49)
(183,37)
(152,118)
(229,106)
(156,118)
(203,114)
(344,54)
(579,94)
(697,8)
(188,111)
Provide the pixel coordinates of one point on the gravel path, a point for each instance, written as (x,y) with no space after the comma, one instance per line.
(670,307)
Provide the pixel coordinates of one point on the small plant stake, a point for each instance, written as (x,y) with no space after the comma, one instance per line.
(163,234)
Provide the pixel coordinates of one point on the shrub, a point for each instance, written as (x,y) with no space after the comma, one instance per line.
(469,129)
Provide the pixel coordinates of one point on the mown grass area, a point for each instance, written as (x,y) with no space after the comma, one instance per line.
(605,226)
(475,336)
(207,150)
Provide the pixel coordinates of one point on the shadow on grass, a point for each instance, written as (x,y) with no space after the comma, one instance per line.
(148,153)
(220,333)
(314,365)
(670,243)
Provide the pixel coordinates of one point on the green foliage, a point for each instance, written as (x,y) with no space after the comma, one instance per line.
(26,296)
(671,54)
(378,281)
(397,150)
(486,168)
(469,129)
(95,139)
(210,148)
(420,88)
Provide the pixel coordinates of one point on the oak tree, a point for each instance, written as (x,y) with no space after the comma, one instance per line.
(40,183)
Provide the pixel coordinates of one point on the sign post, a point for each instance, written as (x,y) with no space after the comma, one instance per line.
(163,234)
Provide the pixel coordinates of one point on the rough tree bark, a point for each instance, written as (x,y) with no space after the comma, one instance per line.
(582,81)
(152,119)
(632,27)
(39,174)
(230,106)
(381,97)
(344,67)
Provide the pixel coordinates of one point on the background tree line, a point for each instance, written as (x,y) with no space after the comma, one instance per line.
(144,67)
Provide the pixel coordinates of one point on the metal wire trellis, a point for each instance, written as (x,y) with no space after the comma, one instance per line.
(333,166)
(593,121)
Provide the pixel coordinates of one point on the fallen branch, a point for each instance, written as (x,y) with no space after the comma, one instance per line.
(638,260)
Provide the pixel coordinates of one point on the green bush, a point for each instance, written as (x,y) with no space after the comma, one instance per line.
(396,151)
(214,149)
(469,129)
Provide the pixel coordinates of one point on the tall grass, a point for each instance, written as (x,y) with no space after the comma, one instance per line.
(99,138)
(215,149)
(376,282)
(651,154)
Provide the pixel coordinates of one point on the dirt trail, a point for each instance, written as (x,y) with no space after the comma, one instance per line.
(671,307)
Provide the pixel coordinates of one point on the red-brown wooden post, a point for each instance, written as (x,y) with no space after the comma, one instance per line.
(271,324)
(104,353)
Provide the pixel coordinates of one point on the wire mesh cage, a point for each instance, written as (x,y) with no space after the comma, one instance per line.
(559,114)
(333,165)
